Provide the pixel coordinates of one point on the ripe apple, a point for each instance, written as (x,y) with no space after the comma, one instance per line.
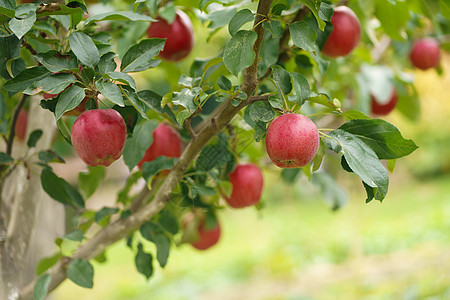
(179,36)
(425,53)
(207,237)
(384,109)
(247,181)
(98,136)
(21,124)
(166,142)
(345,35)
(292,141)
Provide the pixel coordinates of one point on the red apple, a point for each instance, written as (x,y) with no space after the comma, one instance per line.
(166,142)
(207,237)
(98,136)
(425,54)
(292,141)
(247,181)
(179,36)
(384,109)
(345,35)
(21,124)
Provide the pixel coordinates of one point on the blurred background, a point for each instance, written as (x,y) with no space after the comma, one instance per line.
(298,248)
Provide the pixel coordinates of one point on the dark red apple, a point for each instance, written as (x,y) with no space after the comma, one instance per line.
(345,35)
(384,109)
(166,142)
(425,54)
(292,141)
(98,136)
(21,124)
(179,36)
(207,237)
(247,181)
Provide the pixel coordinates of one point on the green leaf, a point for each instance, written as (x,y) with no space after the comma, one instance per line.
(303,36)
(393,16)
(276,101)
(153,233)
(220,17)
(290,175)
(325,100)
(68,100)
(314,6)
(88,182)
(59,189)
(122,196)
(274,26)
(81,272)
(64,130)
(105,212)
(239,19)
(77,236)
(168,221)
(46,263)
(140,56)
(131,96)
(9,49)
(119,16)
(50,156)
(382,137)
(224,83)
(186,98)
(55,62)
(144,262)
(110,91)
(238,53)
(269,52)
(261,111)
(84,49)
(355,114)
(151,168)
(379,80)
(107,63)
(7,8)
(282,78)
(361,159)
(25,79)
(5,158)
(301,87)
(153,101)
(138,143)
(213,156)
(123,78)
(334,195)
(56,83)
(34,137)
(20,26)
(41,287)
(444,8)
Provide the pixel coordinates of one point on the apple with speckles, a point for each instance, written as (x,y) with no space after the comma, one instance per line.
(247,181)
(98,136)
(292,141)
(166,142)
(345,35)
(179,36)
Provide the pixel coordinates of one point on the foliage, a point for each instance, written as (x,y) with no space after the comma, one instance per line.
(270,64)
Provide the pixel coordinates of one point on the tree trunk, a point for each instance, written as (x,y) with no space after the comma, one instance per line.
(30,220)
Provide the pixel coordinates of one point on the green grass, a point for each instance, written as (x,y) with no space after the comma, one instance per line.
(293,235)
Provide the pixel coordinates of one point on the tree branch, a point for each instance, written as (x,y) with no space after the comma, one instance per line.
(12,129)
(123,227)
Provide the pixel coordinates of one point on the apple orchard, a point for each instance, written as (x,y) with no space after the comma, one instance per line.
(195,98)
